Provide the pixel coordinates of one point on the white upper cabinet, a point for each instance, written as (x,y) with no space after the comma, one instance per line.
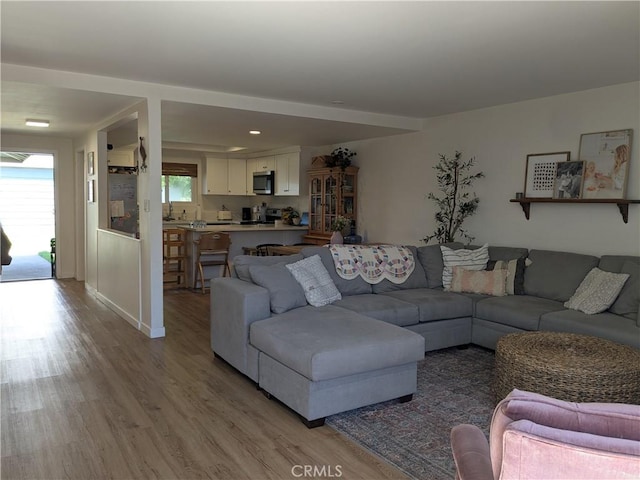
(264,164)
(225,176)
(121,158)
(237,176)
(287,168)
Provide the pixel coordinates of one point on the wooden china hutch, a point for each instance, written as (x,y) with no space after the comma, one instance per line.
(333,191)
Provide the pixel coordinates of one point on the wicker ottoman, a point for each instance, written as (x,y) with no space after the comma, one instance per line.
(566,366)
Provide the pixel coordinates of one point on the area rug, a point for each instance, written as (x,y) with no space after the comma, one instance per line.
(453,388)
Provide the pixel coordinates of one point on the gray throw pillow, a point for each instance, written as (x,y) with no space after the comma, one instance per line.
(285,292)
(629,299)
(417,279)
(431,260)
(241,263)
(356,286)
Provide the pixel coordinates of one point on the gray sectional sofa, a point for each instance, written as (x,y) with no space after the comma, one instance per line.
(364,348)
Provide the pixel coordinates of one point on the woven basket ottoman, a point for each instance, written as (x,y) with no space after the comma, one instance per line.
(567,366)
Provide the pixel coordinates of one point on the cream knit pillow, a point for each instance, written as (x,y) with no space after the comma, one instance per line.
(597,292)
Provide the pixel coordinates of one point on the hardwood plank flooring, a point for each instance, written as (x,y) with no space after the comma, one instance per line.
(84,395)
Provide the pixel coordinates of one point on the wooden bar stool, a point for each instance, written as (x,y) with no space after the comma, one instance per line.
(211,249)
(174,258)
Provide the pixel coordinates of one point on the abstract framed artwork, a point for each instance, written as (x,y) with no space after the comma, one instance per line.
(541,173)
(607,156)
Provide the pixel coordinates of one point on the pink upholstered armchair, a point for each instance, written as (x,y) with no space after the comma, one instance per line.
(538,437)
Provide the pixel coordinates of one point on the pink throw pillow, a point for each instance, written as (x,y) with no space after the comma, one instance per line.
(486,282)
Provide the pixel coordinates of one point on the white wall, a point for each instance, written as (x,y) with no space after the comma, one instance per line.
(396,173)
(64,188)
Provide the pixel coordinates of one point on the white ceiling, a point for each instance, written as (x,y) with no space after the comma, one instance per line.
(402,59)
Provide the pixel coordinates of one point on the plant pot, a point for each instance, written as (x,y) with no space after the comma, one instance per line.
(336,238)
(296,221)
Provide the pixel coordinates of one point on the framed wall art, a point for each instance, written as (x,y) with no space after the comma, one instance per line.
(90,191)
(90,163)
(541,173)
(607,156)
(568,181)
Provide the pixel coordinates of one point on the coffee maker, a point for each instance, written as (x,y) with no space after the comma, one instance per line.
(259,213)
(246,214)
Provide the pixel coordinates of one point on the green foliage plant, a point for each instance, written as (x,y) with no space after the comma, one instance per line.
(341,157)
(456,202)
(340,223)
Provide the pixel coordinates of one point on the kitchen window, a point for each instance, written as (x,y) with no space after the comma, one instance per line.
(179,181)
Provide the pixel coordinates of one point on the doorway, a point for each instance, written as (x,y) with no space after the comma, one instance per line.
(27,214)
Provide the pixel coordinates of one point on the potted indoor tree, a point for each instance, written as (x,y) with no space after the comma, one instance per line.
(456,203)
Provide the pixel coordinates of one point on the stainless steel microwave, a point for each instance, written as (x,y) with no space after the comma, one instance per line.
(263,182)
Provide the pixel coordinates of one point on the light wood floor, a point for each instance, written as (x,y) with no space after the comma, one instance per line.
(86,396)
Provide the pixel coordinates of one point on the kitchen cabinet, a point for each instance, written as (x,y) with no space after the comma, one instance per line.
(121,158)
(225,176)
(332,192)
(264,164)
(287,174)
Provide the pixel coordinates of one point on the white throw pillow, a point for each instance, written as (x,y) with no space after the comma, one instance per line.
(597,292)
(312,275)
(468,259)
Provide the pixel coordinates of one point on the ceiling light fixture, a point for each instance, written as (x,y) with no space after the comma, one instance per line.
(337,102)
(255,132)
(36,123)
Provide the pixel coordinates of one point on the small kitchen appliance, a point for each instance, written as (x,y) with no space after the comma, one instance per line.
(259,213)
(246,214)
(263,182)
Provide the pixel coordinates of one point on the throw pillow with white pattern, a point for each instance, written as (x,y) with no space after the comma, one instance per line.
(314,278)
(597,292)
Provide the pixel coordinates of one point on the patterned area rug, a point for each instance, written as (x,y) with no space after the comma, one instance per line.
(453,388)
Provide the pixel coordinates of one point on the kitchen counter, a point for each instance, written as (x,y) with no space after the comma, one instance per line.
(241,236)
(267,227)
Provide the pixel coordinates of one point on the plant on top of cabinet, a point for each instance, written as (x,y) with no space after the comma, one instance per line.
(457,203)
(341,157)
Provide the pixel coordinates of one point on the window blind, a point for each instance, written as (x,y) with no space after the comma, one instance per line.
(180,169)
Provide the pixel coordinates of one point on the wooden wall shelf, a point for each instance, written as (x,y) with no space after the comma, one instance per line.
(623,205)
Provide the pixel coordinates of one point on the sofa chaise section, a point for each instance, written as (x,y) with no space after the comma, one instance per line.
(325,360)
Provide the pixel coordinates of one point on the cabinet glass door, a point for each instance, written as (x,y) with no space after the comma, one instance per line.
(330,201)
(315,206)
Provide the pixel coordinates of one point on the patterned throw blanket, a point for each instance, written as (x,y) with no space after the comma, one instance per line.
(374,263)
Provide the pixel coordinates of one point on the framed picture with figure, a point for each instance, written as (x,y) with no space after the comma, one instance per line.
(607,156)
(540,173)
(568,180)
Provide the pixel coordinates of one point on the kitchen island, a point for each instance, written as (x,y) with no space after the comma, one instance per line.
(241,236)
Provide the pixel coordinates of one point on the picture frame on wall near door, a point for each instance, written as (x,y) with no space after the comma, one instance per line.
(607,156)
(90,163)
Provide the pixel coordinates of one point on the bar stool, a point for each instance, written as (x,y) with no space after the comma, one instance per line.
(174,258)
(214,244)
(262,250)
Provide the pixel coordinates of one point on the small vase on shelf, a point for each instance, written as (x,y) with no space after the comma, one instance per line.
(336,238)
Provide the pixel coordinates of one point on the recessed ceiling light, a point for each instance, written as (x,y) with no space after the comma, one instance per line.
(337,102)
(255,132)
(36,123)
